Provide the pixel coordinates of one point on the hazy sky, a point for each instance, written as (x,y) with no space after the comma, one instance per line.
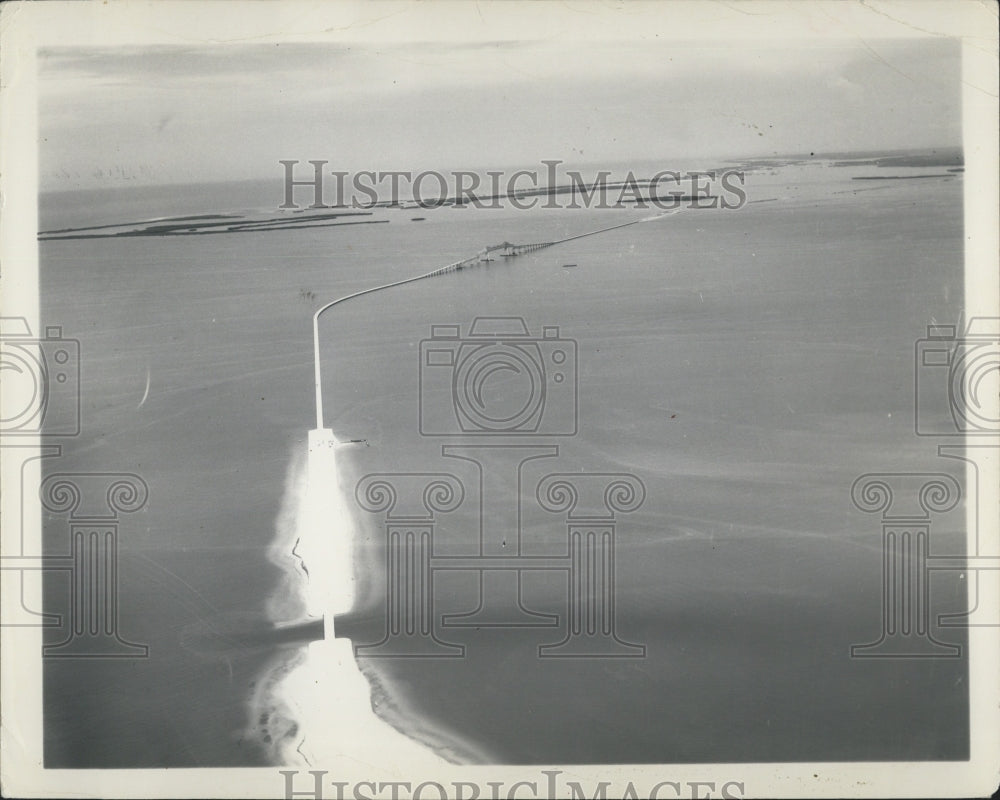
(174,114)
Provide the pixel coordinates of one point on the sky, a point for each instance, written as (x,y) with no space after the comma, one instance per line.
(232,111)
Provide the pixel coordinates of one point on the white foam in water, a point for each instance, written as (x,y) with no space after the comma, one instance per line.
(317,706)
(325,533)
(287,603)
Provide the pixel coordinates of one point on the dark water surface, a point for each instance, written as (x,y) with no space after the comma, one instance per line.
(747,366)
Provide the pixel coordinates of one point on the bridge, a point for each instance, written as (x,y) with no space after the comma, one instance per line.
(505,249)
(489,253)
(510,249)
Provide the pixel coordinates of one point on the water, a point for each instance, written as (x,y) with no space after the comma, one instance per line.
(747,366)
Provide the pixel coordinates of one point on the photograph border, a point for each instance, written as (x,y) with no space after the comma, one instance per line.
(27,27)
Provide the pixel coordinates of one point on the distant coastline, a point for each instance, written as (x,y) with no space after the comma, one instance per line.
(253,205)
